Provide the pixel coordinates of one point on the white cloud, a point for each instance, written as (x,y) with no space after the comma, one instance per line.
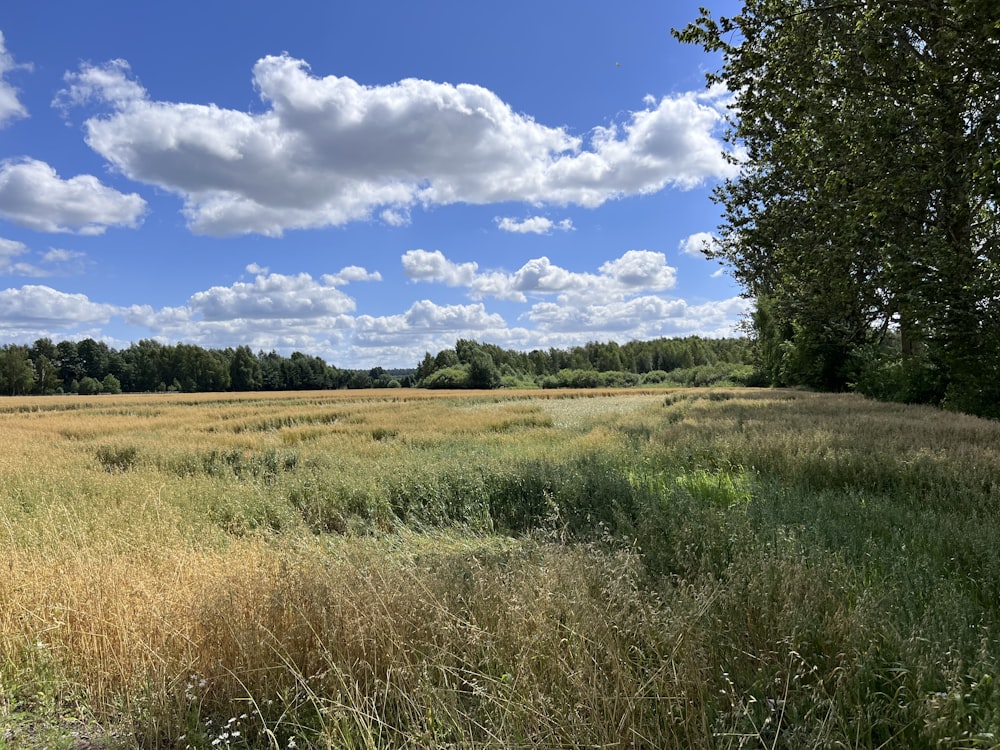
(423,265)
(225,316)
(32,195)
(10,106)
(328,150)
(633,272)
(696,244)
(272,297)
(644,317)
(274,311)
(42,309)
(52,262)
(641,269)
(11,248)
(425,316)
(533,225)
(396,217)
(613,317)
(59,255)
(350,274)
(109,83)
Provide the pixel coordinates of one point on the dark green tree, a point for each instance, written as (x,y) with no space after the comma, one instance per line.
(866,137)
(483,372)
(44,356)
(244,370)
(93,357)
(17,376)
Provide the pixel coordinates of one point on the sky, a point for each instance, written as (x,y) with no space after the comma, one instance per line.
(364,182)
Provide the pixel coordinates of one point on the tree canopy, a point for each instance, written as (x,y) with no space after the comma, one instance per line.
(865,208)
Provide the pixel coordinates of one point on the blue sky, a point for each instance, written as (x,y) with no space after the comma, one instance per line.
(363,182)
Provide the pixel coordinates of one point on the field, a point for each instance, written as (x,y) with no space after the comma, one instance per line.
(407,569)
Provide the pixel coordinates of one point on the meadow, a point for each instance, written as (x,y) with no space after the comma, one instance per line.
(723,568)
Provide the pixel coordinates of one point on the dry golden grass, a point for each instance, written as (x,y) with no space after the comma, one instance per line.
(515,569)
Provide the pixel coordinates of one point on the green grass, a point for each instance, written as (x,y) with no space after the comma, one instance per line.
(697,569)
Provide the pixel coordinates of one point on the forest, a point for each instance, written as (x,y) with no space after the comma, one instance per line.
(91,367)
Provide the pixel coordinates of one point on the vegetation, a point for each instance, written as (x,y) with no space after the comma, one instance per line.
(648,568)
(90,367)
(864,219)
(688,361)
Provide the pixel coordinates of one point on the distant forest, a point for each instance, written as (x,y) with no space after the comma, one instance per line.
(91,367)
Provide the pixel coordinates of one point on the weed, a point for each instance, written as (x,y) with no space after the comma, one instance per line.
(115,458)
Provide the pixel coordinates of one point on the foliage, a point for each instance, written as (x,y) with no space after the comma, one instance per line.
(88,386)
(16,372)
(149,366)
(866,200)
(455,376)
(595,365)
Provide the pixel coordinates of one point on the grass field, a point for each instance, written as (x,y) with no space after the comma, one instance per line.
(407,569)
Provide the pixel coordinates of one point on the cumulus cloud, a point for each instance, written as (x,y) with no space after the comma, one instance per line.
(274,311)
(41,308)
(425,316)
(533,225)
(109,83)
(697,244)
(329,150)
(273,296)
(350,274)
(10,106)
(424,265)
(643,317)
(328,327)
(32,195)
(641,269)
(635,271)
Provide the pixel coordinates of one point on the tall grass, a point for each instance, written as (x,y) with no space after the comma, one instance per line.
(723,568)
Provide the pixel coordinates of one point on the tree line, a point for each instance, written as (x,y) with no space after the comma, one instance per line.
(683,361)
(91,367)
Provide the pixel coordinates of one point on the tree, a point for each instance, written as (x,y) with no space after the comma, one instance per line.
(44,356)
(426,367)
(868,146)
(244,370)
(68,361)
(17,376)
(93,357)
(483,372)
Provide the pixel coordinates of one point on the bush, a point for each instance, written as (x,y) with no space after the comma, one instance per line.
(450,377)
(111,384)
(654,376)
(887,377)
(89,387)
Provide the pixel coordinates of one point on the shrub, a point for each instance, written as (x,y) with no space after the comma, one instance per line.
(450,377)
(116,458)
(89,387)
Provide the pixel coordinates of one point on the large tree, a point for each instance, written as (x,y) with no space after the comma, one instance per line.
(867,138)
